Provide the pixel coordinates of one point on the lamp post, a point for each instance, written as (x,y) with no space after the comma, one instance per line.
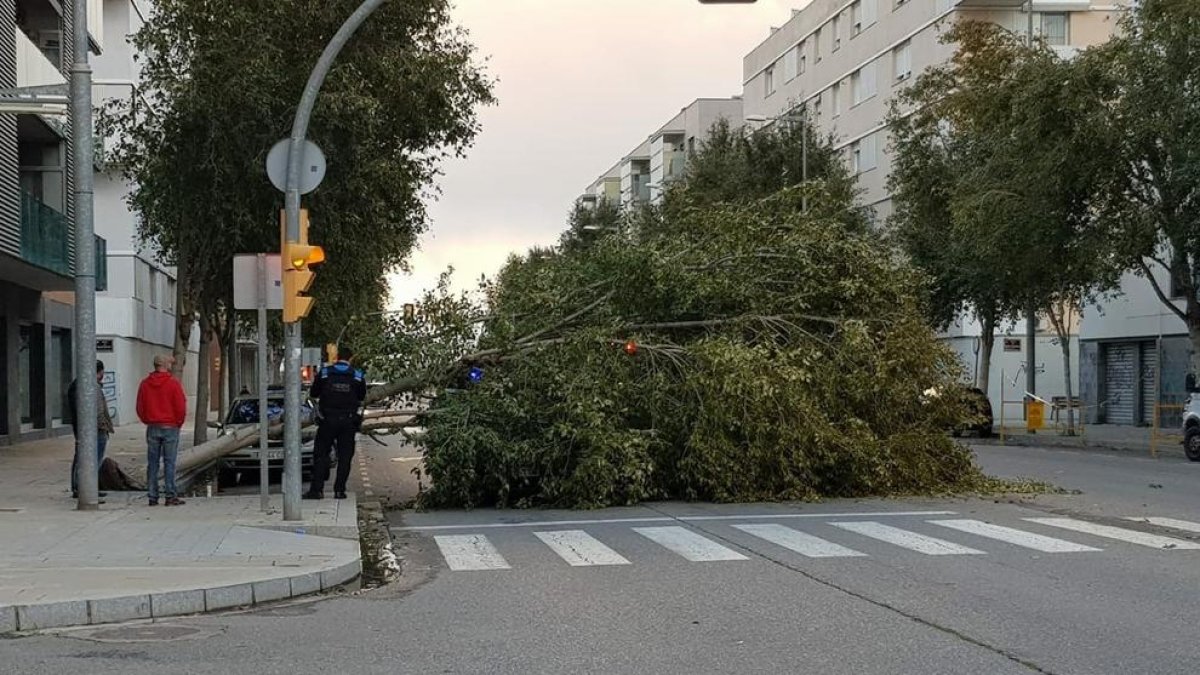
(803,148)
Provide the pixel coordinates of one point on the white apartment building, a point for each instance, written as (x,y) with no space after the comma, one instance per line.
(135,315)
(643,174)
(844,60)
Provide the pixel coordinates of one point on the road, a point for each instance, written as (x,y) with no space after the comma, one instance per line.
(1062,583)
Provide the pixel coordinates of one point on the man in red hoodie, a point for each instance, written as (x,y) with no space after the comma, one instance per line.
(162,407)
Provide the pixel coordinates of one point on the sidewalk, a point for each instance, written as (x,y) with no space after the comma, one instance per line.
(62,567)
(1098,437)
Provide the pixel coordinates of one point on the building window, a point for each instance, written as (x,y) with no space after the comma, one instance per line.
(1056,29)
(835,93)
(817,108)
(864,15)
(863,82)
(789,64)
(817,46)
(902,61)
(769,80)
(154,275)
(169,299)
(141,280)
(864,154)
(802,57)
(837,34)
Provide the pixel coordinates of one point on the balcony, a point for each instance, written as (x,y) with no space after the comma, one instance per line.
(45,235)
(33,67)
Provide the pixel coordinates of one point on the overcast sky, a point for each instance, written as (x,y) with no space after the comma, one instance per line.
(581,83)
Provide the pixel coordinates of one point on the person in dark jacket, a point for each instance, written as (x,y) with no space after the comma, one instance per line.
(340,389)
(104,428)
(162,407)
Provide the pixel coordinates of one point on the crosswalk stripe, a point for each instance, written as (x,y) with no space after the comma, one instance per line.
(1010,535)
(580,549)
(1118,533)
(905,539)
(803,543)
(688,544)
(469,552)
(1173,523)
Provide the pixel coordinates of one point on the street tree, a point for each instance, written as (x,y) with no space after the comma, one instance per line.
(219,86)
(1149,200)
(997,165)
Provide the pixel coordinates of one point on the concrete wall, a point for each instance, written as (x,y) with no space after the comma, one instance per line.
(1007,375)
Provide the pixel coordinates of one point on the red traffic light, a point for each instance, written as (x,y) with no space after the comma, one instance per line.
(631,347)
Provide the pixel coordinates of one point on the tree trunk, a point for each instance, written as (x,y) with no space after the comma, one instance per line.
(987,341)
(184,320)
(1065,341)
(200,434)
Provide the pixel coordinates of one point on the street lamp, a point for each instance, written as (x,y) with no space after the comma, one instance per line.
(803,148)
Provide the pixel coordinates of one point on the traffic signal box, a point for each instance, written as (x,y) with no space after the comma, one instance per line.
(297,259)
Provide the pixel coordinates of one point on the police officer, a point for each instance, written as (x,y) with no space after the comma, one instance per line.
(340,390)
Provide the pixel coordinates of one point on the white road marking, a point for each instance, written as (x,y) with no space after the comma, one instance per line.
(580,549)
(1118,533)
(689,544)
(1010,535)
(905,539)
(800,542)
(468,552)
(670,519)
(1173,523)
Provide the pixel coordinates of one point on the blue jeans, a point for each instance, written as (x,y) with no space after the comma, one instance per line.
(162,445)
(101,444)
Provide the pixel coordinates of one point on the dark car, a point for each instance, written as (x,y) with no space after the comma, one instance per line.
(980,408)
(243,411)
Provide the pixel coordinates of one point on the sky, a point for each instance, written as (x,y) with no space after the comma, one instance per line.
(580,84)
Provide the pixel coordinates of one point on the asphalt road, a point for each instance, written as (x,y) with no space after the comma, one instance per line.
(863,587)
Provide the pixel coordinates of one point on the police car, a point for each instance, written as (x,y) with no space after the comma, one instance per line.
(243,412)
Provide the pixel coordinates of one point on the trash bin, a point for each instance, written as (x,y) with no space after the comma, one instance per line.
(1035,415)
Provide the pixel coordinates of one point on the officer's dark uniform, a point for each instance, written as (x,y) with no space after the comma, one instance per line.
(340,390)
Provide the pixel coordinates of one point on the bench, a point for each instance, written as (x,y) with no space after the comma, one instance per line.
(1058,403)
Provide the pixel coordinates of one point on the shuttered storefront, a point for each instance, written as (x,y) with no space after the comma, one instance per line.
(1120,382)
(1149,377)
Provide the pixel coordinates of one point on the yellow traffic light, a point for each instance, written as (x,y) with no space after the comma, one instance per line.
(297,259)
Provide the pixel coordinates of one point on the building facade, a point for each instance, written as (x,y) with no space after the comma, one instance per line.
(845,60)
(135,295)
(642,176)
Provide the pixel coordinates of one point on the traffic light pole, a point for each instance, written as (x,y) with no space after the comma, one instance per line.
(293,342)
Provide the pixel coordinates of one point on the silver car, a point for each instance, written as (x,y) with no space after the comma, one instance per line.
(243,412)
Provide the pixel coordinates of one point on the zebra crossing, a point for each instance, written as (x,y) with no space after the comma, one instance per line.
(475,551)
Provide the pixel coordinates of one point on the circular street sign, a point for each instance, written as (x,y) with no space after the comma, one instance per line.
(312,167)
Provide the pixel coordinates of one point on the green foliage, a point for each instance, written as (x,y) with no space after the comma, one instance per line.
(779,355)
(221,81)
(1147,121)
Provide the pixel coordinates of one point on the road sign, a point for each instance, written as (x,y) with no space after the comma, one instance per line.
(312,167)
(245,281)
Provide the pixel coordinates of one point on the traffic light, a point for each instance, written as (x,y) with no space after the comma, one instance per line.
(631,347)
(297,258)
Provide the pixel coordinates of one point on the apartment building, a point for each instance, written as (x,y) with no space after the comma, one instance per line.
(135,295)
(642,175)
(135,314)
(844,61)
(37,248)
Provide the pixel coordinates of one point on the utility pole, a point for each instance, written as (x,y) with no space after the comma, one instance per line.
(86,388)
(1031,311)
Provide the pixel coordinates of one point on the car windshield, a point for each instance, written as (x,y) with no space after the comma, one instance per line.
(245,411)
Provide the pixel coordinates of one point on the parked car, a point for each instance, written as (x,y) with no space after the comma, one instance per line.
(1191,421)
(981,414)
(979,408)
(243,412)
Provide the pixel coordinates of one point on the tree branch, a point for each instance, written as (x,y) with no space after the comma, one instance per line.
(1159,292)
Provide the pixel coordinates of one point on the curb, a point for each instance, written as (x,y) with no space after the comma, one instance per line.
(22,618)
(1166,448)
